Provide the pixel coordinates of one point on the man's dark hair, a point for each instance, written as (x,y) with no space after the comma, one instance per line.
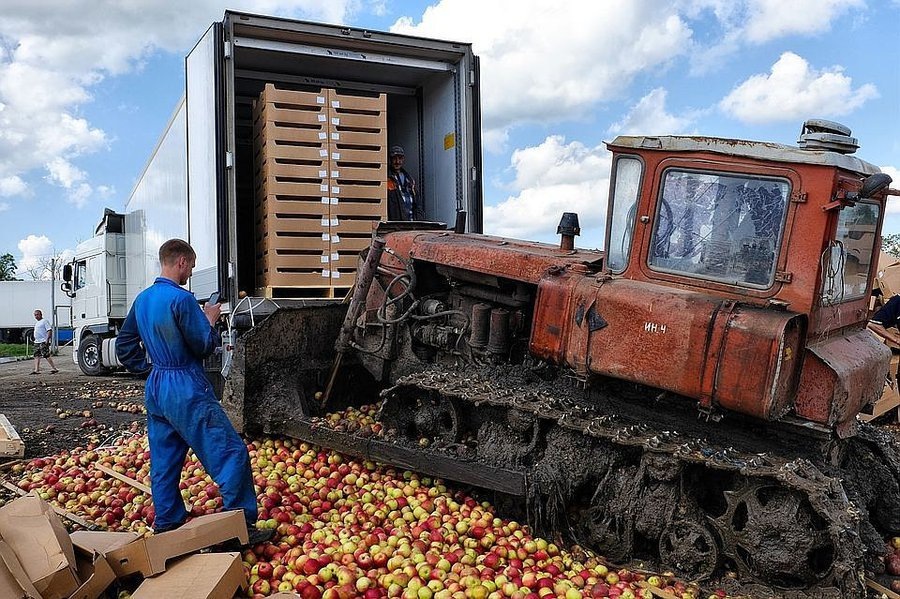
(173,249)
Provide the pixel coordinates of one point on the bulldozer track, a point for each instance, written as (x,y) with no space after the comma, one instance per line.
(794,488)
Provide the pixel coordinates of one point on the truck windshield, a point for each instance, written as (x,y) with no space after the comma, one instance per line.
(848,259)
(627,181)
(724,227)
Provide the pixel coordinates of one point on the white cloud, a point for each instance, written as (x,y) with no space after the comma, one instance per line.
(769,19)
(553,61)
(552,178)
(12,186)
(754,22)
(35,249)
(4,206)
(893,202)
(649,116)
(53,53)
(64,173)
(792,90)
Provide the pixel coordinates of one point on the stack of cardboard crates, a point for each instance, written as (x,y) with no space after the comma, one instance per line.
(321,186)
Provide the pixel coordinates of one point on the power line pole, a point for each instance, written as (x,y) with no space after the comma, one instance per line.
(54,341)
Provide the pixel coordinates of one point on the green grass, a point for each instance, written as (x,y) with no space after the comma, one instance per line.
(12,349)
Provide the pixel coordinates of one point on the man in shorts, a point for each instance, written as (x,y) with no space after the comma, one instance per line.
(42,330)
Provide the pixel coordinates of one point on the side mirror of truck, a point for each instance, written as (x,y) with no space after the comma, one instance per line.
(67,274)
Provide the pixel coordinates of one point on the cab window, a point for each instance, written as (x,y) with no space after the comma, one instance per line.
(79,279)
(848,260)
(623,208)
(725,227)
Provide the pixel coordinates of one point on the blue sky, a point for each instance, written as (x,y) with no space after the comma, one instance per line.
(86,89)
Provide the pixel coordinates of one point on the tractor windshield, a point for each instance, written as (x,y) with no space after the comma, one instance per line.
(724,227)
(626,185)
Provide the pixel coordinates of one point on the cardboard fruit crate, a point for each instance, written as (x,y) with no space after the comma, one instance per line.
(271,131)
(288,113)
(308,170)
(370,191)
(272,277)
(350,242)
(293,260)
(277,94)
(345,101)
(360,208)
(309,190)
(265,150)
(352,171)
(343,153)
(352,225)
(364,138)
(282,240)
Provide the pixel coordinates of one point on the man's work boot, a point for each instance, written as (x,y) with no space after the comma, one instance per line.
(256,536)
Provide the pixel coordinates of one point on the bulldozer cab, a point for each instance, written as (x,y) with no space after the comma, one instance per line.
(754,222)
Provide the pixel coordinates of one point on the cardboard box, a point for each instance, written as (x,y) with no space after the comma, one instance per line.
(90,554)
(149,555)
(14,582)
(201,576)
(11,445)
(42,545)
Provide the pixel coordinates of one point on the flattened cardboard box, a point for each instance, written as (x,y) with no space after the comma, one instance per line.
(14,583)
(93,568)
(42,545)
(149,555)
(201,576)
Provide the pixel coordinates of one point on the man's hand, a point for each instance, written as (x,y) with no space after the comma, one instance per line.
(884,333)
(212,312)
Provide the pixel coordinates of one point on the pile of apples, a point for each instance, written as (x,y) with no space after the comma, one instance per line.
(350,528)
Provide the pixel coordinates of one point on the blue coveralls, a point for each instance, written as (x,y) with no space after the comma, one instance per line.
(182,410)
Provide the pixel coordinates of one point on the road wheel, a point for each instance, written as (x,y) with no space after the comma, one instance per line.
(89,356)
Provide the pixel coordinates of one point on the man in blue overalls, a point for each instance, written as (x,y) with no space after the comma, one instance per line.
(182,410)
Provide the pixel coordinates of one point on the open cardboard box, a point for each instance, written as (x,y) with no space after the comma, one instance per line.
(93,568)
(42,546)
(14,582)
(149,555)
(200,576)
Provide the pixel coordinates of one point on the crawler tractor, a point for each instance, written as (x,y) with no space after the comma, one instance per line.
(688,395)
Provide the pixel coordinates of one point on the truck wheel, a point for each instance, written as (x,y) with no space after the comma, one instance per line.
(89,356)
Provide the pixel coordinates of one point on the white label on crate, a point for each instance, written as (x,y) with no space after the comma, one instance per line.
(335,222)
(336,274)
(323,187)
(335,189)
(322,118)
(335,155)
(335,135)
(335,174)
(326,273)
(324,221)
(335,256)
(324,199)
(335,121)
(323,153)
(324,258)
(334,201)
(320,99)
(326,237)
(336,239)
(323,174)
(323,135)
(335,103)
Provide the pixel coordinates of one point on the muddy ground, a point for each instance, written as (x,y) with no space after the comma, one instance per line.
(57,412)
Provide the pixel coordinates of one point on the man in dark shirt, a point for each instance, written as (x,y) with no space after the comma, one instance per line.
(403,200)
(182,410)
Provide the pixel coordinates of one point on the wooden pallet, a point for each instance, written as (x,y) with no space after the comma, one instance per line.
(890,400)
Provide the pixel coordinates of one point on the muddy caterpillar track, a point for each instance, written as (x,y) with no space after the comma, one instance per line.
(637,490)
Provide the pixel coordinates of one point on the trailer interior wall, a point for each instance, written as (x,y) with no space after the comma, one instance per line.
(429,104)
(157,207)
